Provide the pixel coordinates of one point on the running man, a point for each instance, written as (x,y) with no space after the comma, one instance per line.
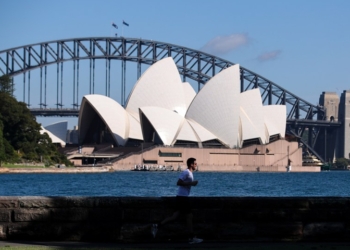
(183,206)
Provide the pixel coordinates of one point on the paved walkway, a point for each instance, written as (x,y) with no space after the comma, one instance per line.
(184,245)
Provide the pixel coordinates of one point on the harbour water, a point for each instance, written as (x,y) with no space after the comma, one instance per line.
(157,184)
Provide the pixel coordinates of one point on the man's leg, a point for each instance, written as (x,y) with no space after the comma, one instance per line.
(154,227)
(192,238)
(170,218)
(189,219)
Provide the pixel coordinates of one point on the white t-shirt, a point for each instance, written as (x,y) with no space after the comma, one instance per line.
(186,176)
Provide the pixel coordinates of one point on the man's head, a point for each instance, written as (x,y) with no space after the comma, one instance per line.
(191,163)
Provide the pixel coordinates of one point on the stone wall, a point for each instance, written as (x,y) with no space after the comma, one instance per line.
(124,219)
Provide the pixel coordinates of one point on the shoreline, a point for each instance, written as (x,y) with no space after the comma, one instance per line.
(103,169)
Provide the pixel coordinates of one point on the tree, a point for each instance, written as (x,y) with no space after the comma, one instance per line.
(20,127)
(6,85)
(341,163)
(7,153)
(21,135)
(2,146)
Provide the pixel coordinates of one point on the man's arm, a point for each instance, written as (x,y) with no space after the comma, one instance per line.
(184,184)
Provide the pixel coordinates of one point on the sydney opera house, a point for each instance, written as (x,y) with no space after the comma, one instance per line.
(167,122)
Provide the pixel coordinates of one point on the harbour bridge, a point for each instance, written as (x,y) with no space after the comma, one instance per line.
(59,73)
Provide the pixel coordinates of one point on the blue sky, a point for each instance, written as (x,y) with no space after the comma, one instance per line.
(303,46)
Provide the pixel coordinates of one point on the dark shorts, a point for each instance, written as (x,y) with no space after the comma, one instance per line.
(183,205)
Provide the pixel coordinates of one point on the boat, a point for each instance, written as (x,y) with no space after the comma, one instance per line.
(311,160)
(152,168)
(326,167)
(141,168)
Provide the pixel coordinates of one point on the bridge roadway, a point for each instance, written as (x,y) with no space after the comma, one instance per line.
(54,112)
(75,112)
(312,123)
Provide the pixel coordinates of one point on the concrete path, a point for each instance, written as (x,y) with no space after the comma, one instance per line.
(184,245)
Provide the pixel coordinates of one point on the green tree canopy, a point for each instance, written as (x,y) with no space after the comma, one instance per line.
(20,135)
(6,85)
(20,126)
(2,145)
(341,162)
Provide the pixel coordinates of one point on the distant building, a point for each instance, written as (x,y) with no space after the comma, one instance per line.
(344,118)
(330,101)
(72,135)
(338,110)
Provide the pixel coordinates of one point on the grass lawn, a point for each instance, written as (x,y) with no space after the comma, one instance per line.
(8,165)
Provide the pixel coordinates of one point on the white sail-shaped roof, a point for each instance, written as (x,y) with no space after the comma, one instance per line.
(171,108)
(275,119)
(54,138)
(134,129)
(111,112)
(202,133)
(165,122)
(159,86)
(216,106)
(59,129)
(251,107)
(248,130)
(189,93)
(187,133)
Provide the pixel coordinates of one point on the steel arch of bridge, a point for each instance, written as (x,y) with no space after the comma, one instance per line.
(192,64)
